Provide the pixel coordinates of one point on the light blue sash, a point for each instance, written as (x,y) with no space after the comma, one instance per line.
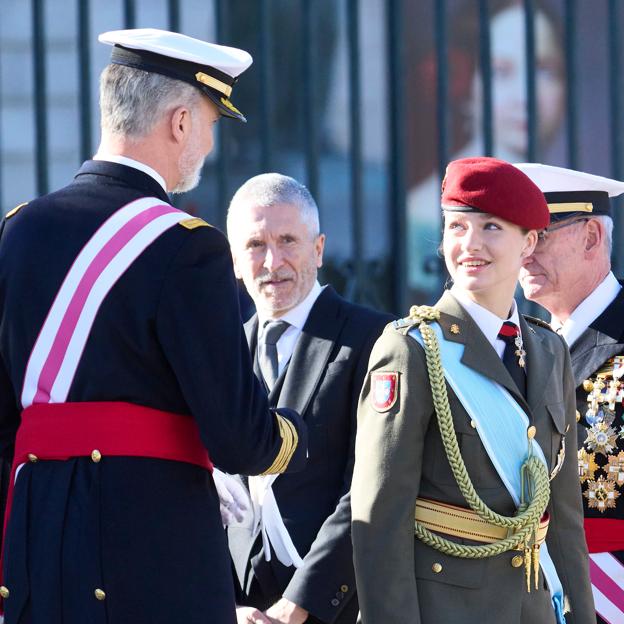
(502,425)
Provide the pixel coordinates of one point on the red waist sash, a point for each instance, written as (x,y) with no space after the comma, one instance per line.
(59,431)
(604,534)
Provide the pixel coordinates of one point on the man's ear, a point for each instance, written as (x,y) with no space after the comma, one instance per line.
(594,235)
(319,246)
(181,124)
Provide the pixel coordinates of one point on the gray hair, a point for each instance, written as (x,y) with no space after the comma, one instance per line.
(271,189)
(133,101)
(607,224)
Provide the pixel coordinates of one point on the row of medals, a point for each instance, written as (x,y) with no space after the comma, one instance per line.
(601,480)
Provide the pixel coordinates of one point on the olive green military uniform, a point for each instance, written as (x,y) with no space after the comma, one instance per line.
(400,456)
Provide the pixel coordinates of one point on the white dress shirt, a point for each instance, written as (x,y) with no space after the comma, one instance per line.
(589,309)
(135,164)
(297,318)
(488,322)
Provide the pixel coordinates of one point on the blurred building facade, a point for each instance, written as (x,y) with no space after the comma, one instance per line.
(363,100)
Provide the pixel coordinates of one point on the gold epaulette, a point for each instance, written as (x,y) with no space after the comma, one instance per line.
(537,321)
(191,224)
(15,210)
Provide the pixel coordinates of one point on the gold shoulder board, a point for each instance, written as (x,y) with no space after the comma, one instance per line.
(408,321)
(191,224)
(15,210)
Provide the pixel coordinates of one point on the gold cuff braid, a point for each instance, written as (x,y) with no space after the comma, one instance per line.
(290,439)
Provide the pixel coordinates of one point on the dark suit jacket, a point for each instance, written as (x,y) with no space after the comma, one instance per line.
(603,339)
(400,456)
(322,382)
(167,336)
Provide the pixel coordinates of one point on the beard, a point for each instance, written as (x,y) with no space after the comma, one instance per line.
(190,166)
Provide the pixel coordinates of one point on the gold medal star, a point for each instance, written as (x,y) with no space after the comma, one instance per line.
(601,494)
(587,465)
(601,438)
(615,468)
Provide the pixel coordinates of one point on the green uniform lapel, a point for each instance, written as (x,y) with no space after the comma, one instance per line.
(479,354)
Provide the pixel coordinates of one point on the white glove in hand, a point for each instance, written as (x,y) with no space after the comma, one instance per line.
(233,497)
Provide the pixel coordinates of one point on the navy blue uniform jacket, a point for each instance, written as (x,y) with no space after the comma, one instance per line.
(167,336)
(322,382)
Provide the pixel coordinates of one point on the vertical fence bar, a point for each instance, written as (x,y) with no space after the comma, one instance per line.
(442,92)
(485,62)
(40,91)
(442,87)
(355,152)
(84,77)
(308,71)
(173,15)
(529,27)
(396,152)
(2,155)
(266,86)
(129,13)
(223,160)
(570,65)
(615,86)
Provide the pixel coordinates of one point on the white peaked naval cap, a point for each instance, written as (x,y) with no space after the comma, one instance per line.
(569,192)
(212,68)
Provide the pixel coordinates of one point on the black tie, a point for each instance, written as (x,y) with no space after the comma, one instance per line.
(508,334)
(267,350)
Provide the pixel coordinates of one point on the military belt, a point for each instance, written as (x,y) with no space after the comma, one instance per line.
(464,523)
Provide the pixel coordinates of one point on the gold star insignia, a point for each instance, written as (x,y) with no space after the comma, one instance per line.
(601,494)
(615,468)
(601,438)
(587,465)
(454,328)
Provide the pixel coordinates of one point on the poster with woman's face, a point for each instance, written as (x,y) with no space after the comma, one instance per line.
(506,22)
(509,122)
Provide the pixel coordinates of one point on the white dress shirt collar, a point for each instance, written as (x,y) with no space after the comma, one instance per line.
(589,309)
(488,322)
(296,317)
(135,164)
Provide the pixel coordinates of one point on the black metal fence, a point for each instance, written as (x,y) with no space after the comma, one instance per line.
(363,100)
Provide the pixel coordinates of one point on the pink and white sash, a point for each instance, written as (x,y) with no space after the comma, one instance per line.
(102,261)
(607,577)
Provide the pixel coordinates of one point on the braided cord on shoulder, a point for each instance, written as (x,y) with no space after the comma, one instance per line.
(521,526)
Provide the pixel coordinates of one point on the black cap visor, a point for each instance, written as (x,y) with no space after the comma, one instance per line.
(216,84)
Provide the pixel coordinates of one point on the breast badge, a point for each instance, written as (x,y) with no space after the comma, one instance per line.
(384,390)
(615,468)
(601,480)
(601,494)
(587,465)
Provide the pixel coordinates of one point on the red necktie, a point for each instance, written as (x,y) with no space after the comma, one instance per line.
(508,334)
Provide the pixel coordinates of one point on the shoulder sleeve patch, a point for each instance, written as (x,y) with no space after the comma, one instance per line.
(191,224)
(537,321)
(384,390)
(15,210)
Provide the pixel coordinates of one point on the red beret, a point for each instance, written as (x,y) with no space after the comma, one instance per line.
(496,187)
